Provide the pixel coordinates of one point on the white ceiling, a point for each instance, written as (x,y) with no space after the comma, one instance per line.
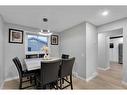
(61,17)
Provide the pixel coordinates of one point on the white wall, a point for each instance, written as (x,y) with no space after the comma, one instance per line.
(117,25)
(103,50)
(72,42)
(114,51)
(1,52)
(91,50)
(12,50)
(125,52)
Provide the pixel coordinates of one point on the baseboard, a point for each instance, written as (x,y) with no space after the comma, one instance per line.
(85,79)
(9,79)
(91,77)
(114,62)
(81,78)
(104,69)
(75,74)
(123,82)
(1,86)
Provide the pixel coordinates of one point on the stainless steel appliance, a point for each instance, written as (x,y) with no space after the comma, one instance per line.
(120,53)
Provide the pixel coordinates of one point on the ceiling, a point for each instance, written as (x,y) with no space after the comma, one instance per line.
(60,17)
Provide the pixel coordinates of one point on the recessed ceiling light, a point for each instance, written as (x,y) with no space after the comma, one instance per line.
(45,19)
(105,13)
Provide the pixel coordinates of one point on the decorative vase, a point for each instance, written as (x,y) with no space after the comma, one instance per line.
(46,56)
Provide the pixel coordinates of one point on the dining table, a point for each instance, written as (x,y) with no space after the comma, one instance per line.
(35,63)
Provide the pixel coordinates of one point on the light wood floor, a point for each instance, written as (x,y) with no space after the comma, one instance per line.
(109,79)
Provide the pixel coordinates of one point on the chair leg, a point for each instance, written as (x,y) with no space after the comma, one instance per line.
(57,84)
(30,80)
(66,78)
(71,81)
(43,86)
(20,83)
(60,83)
(35,83)
(63,80)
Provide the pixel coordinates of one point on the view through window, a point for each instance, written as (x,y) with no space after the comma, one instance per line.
(36,42)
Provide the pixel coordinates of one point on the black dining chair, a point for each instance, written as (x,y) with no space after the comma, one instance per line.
(65,71)
(48,75)
(65,56)
(29,75)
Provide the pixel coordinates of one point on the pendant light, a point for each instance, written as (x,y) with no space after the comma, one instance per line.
(45,32)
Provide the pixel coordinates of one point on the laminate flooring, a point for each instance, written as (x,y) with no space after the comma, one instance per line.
(109,79)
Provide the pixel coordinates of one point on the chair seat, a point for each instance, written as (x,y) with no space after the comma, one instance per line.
(30,73)
(26,74)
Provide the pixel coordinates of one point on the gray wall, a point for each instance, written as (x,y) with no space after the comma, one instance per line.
(72,42)
(54,49)
(1,52)
(12,50)
(91,50)
(81,41)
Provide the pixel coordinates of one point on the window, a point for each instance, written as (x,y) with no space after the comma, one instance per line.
(36,42)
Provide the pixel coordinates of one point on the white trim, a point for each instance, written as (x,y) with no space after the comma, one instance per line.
(123,82)
(104,69)
(2,85)
(91,77)
(81,78)
(9,79)
(75,74)
(85,79)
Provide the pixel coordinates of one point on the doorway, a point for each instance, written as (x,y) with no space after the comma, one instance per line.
(110,50)
(116,47)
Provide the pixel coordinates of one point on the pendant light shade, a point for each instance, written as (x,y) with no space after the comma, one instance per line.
(45,31)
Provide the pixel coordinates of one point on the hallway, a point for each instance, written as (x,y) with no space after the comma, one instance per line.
(109,79)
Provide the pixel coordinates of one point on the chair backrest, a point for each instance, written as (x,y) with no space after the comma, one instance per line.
(41,55)
(65,56)
(49,71)
(66,67)
(18,65)
(29,56)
